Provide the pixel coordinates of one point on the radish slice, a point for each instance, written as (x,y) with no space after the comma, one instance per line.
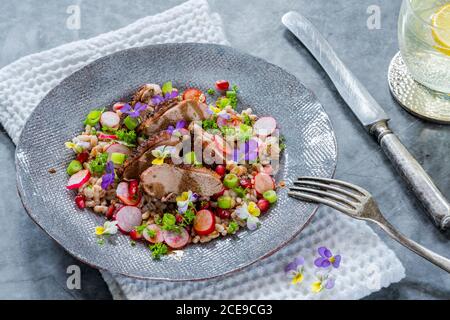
(205,222)
(159,234)
(124,196)
(128,217)
(103,136)
(110,119)
(265,126)
(176,240)
(118,148)
(78,179)
(263,183)
(118,106)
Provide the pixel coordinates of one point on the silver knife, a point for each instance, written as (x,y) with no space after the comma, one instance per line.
(372,117)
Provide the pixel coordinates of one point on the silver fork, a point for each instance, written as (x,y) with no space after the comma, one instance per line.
(357,203)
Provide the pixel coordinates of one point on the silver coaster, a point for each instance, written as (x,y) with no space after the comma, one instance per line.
(414,97)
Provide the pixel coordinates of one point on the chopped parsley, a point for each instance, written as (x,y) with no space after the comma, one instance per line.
(188,218)
(158,250)
(140,228)
(282,143)
(227,131)
(232,96)
(211,91)
(223,102)
(127,136)
(210,124)
(232,227)
(151,233)
(98,165)
(247,121)
(245,132)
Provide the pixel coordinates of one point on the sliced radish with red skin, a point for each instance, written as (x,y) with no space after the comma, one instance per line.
(159,237)
(128,218)
(118,148)
(78,179)
(265,126)
(118,106)
(124,196)
(176,240)
(103,136)
(110,119)
(264,182)
(204,222)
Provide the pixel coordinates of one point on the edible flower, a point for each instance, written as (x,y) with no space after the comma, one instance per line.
(250,213)
(295,270)
(323,282)
(160,153)
(185,200)
(109,176)
(218,112)
(168,92)
(109,228)
(135,111)
(176,131)
(327,259)
(247,151)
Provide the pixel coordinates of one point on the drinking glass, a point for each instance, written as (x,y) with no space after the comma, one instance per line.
(424,38)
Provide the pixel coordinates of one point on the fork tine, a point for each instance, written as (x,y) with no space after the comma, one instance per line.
(309,197)
(325,194)
(326,186)
(360,190)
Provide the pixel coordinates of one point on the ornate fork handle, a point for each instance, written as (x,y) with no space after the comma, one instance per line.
(431,256)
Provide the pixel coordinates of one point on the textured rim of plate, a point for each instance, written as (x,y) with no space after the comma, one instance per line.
(235,270)
(415,97)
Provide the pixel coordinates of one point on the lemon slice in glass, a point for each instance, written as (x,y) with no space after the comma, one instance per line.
(441,33)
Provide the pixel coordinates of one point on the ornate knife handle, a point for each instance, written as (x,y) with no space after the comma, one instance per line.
(418,180)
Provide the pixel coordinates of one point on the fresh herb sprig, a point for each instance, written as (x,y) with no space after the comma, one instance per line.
(98,164)
(158,250)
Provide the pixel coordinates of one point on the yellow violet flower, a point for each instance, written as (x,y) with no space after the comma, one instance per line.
(253,209)
(160,153)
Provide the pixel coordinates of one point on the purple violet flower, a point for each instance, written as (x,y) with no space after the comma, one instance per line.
(158,99)
(133,112)
(109,176)
(327,259)
(174,130)
(247,151)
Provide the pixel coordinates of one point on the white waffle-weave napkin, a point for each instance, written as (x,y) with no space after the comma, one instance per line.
(367,263)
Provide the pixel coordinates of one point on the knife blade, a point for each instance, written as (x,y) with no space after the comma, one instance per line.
(372,116)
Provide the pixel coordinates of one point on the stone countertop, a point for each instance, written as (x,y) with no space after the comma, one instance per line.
(34,267)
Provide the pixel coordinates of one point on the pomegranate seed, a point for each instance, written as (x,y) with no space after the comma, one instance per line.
(133,186)
(220,170)
(263,205)
(179,218)
(83,156)
(222,85)
(80,201)
(110,212)
(246,183)
(223,214)
(134,235)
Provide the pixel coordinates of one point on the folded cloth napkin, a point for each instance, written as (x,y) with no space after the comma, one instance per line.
(367,264)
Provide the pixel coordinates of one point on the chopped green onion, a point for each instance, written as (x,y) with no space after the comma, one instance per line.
(74,167)
(231,180)
(118,158)
(93,117)
(271,196)
(167,87)
(131,123)
(224,202)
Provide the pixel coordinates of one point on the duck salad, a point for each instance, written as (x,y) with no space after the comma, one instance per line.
(169,168)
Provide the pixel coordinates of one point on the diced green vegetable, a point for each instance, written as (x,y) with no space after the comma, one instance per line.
(118,158)
(167,87)
(245,132)
(93,117)
(231,180)
(211,91)
(190,158)
(240,191)
(131,123)
(224,202)
(169,223)
(222,102)
(74,167)
(271,196)
(210,124)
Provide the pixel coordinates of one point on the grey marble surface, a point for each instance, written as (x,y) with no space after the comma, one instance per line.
(32,266)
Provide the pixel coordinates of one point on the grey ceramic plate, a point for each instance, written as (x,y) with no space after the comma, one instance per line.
(269,90)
